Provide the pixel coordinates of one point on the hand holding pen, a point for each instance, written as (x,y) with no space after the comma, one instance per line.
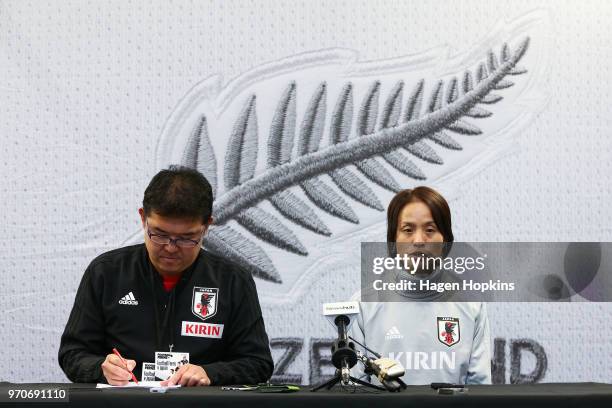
(117,370)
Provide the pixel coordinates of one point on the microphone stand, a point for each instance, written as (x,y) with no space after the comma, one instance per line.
(344,357)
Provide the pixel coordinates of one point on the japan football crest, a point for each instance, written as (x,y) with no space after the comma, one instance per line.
(448,330)
(204,302)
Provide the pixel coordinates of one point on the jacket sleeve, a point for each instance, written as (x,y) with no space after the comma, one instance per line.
(479,369)
(248,359)
(81,351)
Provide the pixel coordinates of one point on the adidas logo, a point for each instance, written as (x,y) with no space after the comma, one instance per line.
(128,299)
(393,333)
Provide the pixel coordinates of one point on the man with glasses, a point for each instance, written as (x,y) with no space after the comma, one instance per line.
(168,295)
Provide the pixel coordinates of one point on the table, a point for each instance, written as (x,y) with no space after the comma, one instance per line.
(525,395)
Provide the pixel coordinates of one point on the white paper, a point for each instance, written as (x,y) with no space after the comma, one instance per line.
(148,372)
(168,363)
(141,384)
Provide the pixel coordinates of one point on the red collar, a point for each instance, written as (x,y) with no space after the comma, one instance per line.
(170,282)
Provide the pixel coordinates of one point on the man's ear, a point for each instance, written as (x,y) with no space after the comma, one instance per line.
(142,216)
(208,224)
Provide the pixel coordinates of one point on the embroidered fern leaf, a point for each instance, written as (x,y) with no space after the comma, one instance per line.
(371,168)
(464,128)
(352,185)
(389,133)
(229,243)
(375,171)
(280,145)
(296,210)
(413,109)
(444,140)
(404,165)
(268,228)
(393,107)
(491,99)
(390,118)
(328,200)
(342,116)
(481,72)
(199,153)
(477,112)
(368,113)
(241,157)
(468,81)
(423,151)
(312,126)
(452,93)
(435,100)
(282,130)
(492,62)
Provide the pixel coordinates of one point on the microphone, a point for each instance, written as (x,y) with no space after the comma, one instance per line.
(389,369)
(344,357)
(386,370)
(341,313)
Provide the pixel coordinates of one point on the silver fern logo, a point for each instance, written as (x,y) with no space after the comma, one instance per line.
(304,147)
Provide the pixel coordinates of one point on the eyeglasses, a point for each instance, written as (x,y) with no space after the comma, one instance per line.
(179,242)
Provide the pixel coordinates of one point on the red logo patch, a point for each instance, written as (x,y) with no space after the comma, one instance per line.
(449,332)
(204,302)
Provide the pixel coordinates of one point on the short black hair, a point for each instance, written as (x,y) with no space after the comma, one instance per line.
(437,204)
(180,192)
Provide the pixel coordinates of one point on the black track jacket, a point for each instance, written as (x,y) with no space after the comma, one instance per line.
(121,303)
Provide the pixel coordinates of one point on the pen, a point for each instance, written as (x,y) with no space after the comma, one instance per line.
(122,360)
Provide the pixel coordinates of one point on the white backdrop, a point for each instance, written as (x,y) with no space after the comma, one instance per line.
(96,97)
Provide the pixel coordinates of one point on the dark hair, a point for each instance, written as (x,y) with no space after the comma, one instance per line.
(179,192)
(438,206)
